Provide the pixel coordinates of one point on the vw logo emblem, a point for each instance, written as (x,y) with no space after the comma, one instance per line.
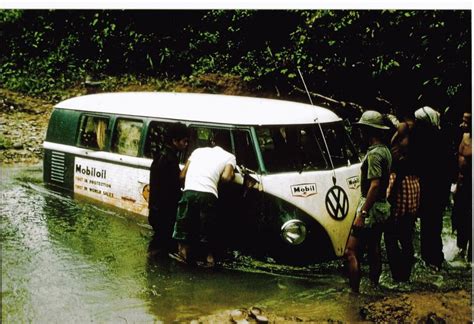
(337,203)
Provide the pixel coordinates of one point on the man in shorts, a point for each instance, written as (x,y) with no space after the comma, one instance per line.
(197,209)
(373,209)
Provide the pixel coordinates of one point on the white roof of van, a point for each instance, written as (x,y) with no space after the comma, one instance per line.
(222,109)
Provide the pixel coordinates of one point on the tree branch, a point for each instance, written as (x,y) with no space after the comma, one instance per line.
(344,107)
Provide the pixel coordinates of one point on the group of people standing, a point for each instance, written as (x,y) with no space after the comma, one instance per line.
(406,175)
(184,222)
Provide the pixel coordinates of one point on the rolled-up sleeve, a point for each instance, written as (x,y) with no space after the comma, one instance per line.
(375,166)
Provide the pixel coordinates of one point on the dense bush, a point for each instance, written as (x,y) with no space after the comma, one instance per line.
(409,58)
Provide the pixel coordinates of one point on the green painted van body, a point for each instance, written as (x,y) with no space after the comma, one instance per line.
(62,129)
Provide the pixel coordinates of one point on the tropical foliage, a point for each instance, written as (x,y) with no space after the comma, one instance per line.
(408,58)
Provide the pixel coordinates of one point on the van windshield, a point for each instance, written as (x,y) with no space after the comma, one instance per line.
(300,148)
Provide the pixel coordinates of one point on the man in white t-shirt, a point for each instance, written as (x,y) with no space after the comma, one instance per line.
(196,215)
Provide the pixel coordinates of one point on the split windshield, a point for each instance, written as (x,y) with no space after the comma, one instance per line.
(301,147)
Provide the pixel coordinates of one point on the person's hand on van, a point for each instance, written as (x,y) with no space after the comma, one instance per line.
(228,173)
(359,220)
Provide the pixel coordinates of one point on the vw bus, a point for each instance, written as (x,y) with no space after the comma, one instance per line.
(297,181)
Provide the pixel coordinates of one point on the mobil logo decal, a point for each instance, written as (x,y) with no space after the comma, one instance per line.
(353,182)
(303,190)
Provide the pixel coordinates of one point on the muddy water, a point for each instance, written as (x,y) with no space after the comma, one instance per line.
(67,260)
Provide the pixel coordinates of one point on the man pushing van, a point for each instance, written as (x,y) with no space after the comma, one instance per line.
(197,209)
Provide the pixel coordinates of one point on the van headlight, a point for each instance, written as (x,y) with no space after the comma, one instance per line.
(293,231)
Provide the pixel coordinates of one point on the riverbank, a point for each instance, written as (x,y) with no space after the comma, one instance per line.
(23,124)
(417,307)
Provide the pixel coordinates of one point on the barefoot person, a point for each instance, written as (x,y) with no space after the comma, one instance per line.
(431,158)
(404,196)
(373,209)
(462,212)
(194,227)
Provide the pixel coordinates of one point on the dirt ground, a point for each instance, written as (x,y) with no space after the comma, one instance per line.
(23,123)
(416,307)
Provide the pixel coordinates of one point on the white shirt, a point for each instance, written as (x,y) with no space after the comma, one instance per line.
(205,168)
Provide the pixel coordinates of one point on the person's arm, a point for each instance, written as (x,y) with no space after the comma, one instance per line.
(398,138)
(369,202)
(228,173)
(182,174)
(461,158)
(402,131)
(374,174)
(461,161)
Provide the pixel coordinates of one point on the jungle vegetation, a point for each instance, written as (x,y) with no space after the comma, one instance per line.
(403,58)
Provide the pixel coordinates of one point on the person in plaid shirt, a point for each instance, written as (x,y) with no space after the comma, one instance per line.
(403,193)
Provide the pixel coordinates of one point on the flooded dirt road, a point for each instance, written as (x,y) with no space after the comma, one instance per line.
(67,260)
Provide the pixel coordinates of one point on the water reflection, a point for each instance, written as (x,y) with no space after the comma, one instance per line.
(67,260)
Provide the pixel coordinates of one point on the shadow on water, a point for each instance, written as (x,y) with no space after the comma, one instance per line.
(67,260)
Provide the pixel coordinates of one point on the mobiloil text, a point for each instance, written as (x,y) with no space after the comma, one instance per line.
(93,172)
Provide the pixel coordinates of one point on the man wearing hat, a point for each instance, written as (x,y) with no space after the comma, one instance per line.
(373,209)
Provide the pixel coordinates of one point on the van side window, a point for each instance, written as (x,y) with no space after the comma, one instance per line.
(340,146)
(126,139)
(289,148)
(237,142)
(93,132)
(244,149)
(155,139)
(204,136)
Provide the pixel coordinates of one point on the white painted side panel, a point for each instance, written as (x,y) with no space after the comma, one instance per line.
(122,186)
(308,192)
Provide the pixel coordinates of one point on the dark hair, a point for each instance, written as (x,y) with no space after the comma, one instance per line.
(176,131)
(222,138)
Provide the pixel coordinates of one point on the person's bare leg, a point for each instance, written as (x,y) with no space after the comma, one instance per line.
(375,258)
(353,263)
(183,250)
(210,259)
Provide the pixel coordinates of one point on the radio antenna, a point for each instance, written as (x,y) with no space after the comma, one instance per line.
(305,87)
(320,129)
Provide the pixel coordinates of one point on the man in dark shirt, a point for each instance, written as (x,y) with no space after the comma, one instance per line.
(432,163)
(165,185)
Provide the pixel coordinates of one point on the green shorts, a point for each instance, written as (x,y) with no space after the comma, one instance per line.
(196,217)
(378,214)
(375,220)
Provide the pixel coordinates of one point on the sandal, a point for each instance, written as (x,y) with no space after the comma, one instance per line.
(205,264)
(178,257)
